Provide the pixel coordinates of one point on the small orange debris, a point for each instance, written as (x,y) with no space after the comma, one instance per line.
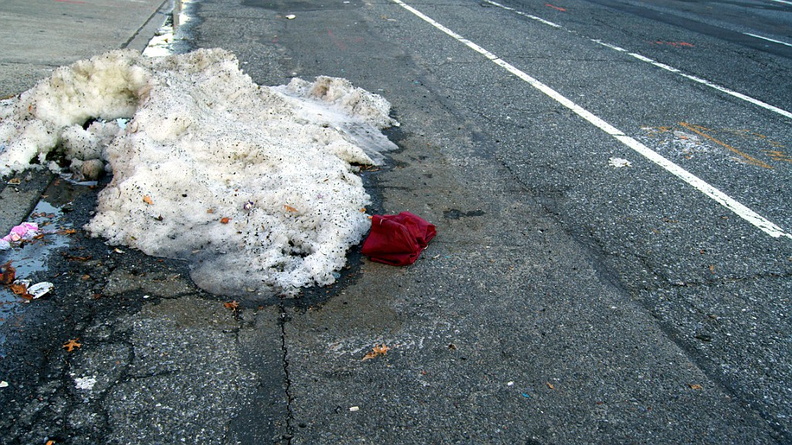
(18,289)
(289,208)
(233,305)
(147,199)
(9,273)
(376,351)
(225,220)
(70,345)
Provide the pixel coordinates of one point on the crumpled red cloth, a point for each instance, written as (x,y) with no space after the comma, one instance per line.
(397,240)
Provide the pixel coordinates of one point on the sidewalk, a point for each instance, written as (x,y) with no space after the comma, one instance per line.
(39,36)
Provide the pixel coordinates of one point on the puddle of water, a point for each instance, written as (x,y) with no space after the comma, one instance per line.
(30,260)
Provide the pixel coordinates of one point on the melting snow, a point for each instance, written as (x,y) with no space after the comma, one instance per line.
(254,185)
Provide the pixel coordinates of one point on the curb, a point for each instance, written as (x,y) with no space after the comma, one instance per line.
(18,200)
(144,34)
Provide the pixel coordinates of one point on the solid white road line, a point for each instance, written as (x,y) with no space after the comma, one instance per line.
(767,38)
(739,209)
(669,68)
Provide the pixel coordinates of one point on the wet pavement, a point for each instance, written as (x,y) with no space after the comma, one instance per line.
(507,330)
(147,344)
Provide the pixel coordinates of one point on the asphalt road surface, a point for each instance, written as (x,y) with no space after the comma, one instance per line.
(658,134)
(610,182)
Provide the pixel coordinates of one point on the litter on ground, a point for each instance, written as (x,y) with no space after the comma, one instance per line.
(619,163)
(23,232)
(397,240)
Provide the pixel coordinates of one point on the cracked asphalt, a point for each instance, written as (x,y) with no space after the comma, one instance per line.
(563,300)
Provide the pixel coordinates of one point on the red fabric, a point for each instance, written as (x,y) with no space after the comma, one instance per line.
(397,239)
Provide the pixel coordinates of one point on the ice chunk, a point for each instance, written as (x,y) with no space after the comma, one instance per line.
(342,108)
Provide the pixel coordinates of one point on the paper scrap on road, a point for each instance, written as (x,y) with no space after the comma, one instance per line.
(619,163)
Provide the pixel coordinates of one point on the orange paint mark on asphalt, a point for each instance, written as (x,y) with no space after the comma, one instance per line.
(699,130)
(338,43)
(557,8)
(778,155)
(753,134)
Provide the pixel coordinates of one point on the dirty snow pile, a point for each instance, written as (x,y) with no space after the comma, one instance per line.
(254,185)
